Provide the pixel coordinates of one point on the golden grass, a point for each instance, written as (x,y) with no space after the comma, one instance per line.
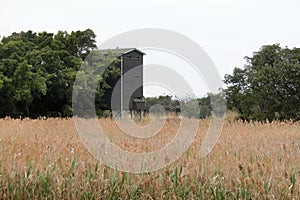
(46,159)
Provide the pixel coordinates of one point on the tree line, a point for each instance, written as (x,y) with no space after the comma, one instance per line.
(38,70)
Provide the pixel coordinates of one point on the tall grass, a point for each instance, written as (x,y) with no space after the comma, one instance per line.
(44,159)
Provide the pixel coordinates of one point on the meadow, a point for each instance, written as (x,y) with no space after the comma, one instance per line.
(45,159)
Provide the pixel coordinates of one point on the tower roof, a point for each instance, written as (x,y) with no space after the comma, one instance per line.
(123,51)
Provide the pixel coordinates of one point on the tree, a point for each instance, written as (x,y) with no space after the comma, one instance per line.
(81,43)
(268,86)
(7,91)
(169,104)
(37,71)
(27,85)
(95,82)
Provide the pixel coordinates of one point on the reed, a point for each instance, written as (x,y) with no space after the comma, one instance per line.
(45,159)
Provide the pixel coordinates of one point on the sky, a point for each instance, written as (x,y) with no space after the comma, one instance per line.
(228,30)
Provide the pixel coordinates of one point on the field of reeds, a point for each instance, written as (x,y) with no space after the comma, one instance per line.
(45,159)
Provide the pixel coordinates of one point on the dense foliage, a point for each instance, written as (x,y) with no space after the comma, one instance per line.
(199,108)
(37,72)
(268,86)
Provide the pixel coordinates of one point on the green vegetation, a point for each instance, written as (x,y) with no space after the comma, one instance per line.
(187,106)
(268,86)
(38,70)
(92,183)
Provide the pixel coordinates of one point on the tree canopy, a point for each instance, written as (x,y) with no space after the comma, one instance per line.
(37,72)
(268,86)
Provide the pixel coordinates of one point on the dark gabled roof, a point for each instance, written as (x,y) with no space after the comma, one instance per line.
(123,51)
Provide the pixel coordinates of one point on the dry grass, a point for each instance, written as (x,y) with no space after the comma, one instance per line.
(46,159)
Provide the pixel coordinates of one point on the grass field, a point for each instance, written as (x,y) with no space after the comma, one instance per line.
(44,159)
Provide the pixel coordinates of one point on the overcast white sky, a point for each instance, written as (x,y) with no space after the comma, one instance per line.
(228,30)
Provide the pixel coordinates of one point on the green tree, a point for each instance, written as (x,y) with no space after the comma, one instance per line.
(27,86)
(169,104)
(37,71)
(268,86)
(81,43)
(7,90)
(95,82)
